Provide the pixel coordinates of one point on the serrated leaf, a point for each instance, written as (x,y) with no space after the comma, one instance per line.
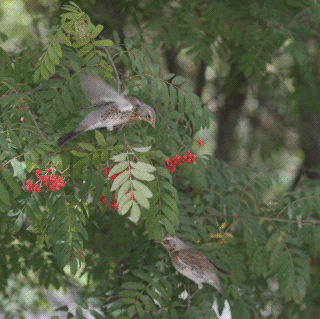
(143,167)
(64,38)
(103,43)
(120,179)
(11,181)
(145,190)
(142,149)
(56,47)
(80,229)
(96,31)
(84,50)
(168,76)
(178,80)
(125,208)
(119,157)
(87,146)
(164,172)
(133,285)
(168,225)
(170,214)
(155,89)
(18,169)
(141,199)
(118,168)
(100,138)
(135,212)
(123,189)
(142,175)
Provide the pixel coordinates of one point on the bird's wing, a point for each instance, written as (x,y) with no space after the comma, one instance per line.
(193,257)
(98,91)
(111,104)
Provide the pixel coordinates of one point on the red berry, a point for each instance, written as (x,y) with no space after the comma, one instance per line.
(103,200)
(200,142)
(165,161)
(37,172)
(48,170)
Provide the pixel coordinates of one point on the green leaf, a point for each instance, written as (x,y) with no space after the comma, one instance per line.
(87,48)
(142,149)
(96,31)
(98,190)
(18,170)
(64,38)
(80,229)
(168,225)
(142,175)
(123,189)
(100,138)
(18,223)
(119,158)
(173,218)
(143,167)
(125,208)
(164,172)
(118,168)
(129,293)
(178,80)
(49,64)
(11,181)
(53,56)
(56,47)
(168,76)
(145,190)
(135,212)
(133,285)
(103,43)
(120,180)
(87,146)
(155,89)
(140,198)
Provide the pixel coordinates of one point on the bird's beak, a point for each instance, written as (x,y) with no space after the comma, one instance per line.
(158,242)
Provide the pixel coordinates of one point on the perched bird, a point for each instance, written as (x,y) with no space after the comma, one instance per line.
(192,264)
(111,109)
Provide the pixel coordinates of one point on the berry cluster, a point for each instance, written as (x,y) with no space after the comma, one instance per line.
(113,203)
(173,163)
(51,181)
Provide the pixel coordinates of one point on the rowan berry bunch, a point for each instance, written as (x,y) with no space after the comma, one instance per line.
(173,163)
(52,182)
(113,203)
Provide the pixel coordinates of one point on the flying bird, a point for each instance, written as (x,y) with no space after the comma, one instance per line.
(111,109)
(193,264)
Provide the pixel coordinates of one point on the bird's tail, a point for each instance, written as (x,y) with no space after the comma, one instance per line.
(67,137)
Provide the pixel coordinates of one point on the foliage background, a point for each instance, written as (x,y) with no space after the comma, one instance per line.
(250,201)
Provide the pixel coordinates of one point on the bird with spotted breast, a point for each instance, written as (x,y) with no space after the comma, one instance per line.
(193,264)
(111,109)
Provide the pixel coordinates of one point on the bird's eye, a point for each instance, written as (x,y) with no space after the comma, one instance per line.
(148,116)
(167,241)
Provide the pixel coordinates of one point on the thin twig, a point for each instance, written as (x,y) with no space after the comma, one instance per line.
(114,68)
